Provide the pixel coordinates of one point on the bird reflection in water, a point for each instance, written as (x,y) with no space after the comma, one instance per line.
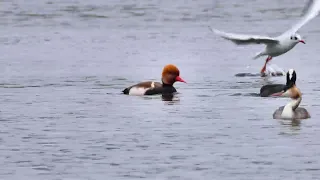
(292,122)
(170,99)
(290,127)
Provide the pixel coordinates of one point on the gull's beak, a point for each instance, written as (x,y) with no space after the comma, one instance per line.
(302,41)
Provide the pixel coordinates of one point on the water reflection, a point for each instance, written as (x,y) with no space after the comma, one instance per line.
(247,75)
(246,94)
(167,97)
(290,127)
(265,75)
(292,123)
(170,99)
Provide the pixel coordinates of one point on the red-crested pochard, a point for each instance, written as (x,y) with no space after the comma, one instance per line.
(170,75)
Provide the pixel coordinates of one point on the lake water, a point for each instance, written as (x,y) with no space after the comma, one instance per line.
(64,64)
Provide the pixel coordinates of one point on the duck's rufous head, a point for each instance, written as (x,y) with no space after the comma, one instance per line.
(171,74)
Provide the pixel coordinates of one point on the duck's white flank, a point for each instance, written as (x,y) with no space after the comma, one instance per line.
(137,91)
(140,91)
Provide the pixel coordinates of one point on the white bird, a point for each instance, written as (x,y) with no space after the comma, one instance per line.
(275,46)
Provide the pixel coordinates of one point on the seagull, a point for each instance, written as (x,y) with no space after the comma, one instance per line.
(276,46)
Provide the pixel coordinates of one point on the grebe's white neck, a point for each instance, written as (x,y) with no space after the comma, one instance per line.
(288,110)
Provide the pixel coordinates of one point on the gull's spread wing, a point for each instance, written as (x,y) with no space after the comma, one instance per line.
(242,39)
(310,11)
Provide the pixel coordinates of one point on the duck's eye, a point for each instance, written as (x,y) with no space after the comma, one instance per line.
(295,38)
(291,37)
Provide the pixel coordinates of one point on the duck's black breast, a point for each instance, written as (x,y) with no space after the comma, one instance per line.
(164,89)
(270,89)
(151,88)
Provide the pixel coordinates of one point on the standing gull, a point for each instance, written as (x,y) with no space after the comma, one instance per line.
(275,46)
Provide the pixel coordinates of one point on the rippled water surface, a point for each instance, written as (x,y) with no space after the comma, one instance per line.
(63,66)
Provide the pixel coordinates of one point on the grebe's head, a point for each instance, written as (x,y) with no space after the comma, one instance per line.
(290,90)
(291,79)
(171,74)
(291,76)
(296,38)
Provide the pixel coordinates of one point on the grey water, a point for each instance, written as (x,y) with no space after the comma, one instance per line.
(64,63)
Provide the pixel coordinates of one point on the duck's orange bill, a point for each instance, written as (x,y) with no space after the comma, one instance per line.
(178,78)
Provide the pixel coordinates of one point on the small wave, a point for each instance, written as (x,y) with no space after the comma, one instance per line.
(272,70)
(10,40)
(246,94)
(92,16)
(204,96)
(13,86)
(78,9)
(17,86)
(247,75)
(39,15)
(259,75)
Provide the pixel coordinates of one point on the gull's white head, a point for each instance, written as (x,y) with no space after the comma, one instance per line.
(296,38)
